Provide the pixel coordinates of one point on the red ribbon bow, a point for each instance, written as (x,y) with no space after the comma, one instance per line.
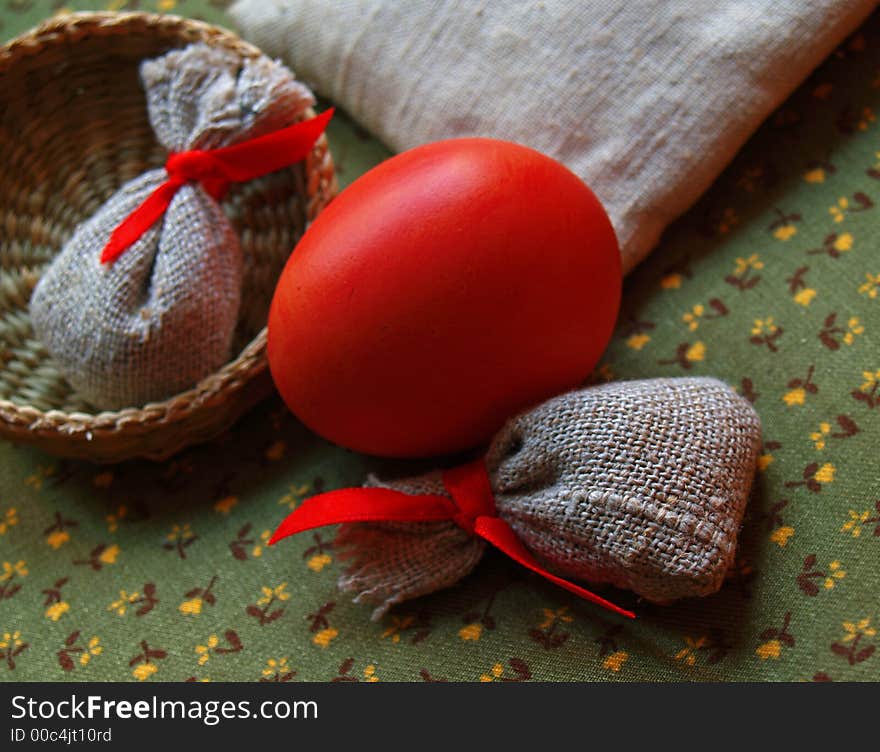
(472,507)
(215,169)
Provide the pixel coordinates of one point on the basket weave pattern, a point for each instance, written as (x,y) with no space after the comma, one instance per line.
(73,128)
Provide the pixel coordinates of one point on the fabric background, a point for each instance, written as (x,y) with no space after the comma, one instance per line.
(771,282)
(647,101)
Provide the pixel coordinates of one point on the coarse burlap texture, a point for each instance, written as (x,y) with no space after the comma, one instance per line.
(641,484)
(163,315)
(646,102)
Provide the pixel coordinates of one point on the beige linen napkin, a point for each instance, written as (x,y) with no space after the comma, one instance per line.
(646,100)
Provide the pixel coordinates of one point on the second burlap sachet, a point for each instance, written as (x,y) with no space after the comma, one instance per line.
(157,310)
(640,484)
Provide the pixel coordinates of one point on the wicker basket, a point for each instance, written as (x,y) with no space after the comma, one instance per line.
(73,128)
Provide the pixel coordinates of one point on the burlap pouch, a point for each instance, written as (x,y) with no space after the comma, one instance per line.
(641,484)
(162,316)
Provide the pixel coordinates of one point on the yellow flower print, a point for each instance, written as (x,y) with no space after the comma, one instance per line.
(278,669)
(843,242)
(744,264)
(769,650)
(861,628)
(57,538)
(495,673)
(695,352)
(8,520)
(35,480)
(764,461)
(870,286)
(471,632)
(765,332)
(551,616)
(856,520)
(57,534)
(57,610)
(688,654)
(818,437)
(180,538)
(781,535)
(671,281)
(163,6)
(764,326)
(614,662)
(269,594)
(11,639)
(838,212)
(179,532)
(370,674)
(274,666)
(872,378)
(805,297)
(785,232)
(317,562)
(294,495)
(10,570)
(866,119)
(121,604)
(637,341)
(854,328)
(92,648)
(204,651)
(114,518)
(224,506)
(11,646)
(191,607)
(260,547)
(815,175)
(795,396)
(109,554)
(692,317)
(825,474)
(398,625)
(144,671)
(324,637)
(799,388)
(774,639)
(852,645)
(835,572)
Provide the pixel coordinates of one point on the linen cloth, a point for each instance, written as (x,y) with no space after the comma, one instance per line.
(645,101)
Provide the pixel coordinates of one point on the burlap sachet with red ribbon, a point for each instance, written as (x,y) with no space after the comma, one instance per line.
(142,301)
(640,484)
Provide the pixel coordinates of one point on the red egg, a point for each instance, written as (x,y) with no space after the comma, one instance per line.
(441,293)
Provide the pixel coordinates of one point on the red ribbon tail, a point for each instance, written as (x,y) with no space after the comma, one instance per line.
(260,156)
(140,220)
(497,532)
(363,505)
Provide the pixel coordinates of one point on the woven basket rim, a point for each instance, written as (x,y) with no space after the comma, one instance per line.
(251,360)
(107,22)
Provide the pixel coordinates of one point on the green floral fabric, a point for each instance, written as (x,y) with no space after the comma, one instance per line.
(149,571)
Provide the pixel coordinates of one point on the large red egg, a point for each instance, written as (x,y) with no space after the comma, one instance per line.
(444,291)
